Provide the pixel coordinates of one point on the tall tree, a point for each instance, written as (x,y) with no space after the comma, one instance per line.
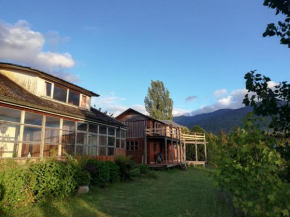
(282,30)
(157,102)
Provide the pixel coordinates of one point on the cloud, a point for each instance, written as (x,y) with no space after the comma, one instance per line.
(272,84)
(190,98)
(220,93)
(53,39)
(19,44)
(231,101)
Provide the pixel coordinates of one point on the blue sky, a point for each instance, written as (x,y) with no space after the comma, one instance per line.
(200,49)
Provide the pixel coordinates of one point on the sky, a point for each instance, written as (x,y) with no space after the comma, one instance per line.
(200,49)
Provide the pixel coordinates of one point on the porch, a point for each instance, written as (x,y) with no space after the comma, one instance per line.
(174,144)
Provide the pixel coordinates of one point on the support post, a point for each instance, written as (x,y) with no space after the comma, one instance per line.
(171,144)
(165,142)
(196,157)
(145,146)
(205,153)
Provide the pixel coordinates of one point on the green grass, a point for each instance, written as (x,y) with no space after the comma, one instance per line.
(172,193)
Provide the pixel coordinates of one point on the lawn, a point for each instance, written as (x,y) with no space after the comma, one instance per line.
(172,193)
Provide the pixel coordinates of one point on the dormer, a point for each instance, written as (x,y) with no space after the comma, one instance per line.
(48,86)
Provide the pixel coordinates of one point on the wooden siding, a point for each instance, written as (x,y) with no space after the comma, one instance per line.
(137,156)
(136,128)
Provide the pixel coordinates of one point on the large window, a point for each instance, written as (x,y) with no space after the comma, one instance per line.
(9,132)
(29,134)
(73,98)
(121,139)
(32,135)
(48,88)
(68,137)
(51,137)
(59,93)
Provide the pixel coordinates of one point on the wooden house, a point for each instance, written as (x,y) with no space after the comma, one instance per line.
(43,116)
(147,137)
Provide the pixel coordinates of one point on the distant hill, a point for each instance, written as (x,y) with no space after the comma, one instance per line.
(223,119)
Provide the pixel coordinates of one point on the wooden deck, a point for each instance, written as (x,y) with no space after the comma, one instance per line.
(162,166)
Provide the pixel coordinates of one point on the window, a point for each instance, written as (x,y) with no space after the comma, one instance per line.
(132,146)
(121,140)
(73,98)
(48,87)
(59,93)
(84,101)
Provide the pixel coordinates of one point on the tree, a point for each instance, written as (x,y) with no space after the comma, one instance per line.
(283,28)
(273,102)
(157,102)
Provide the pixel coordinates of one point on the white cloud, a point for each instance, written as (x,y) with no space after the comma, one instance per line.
(19,44)
(179,112)
(220,93)
(232,101)
(272,84)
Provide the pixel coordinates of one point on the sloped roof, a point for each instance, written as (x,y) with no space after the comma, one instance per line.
(169,122)
(50,77)
(10,92)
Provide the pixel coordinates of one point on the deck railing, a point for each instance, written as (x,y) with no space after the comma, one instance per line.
(173,133)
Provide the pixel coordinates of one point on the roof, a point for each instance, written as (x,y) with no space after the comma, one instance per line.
(133,110)
(167,122)
(48,77)
(12,93)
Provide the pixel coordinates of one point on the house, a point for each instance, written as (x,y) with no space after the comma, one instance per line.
(147,137)
(42,116)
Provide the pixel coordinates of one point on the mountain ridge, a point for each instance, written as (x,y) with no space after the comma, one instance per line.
(220,120)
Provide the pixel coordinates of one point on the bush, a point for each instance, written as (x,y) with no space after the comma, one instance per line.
(144,169)
(99,171)
(53,179)
(126,165)
(114,172)
(14,187)
(82,177)
(249,170)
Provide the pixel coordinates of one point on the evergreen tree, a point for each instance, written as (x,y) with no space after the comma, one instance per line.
(157,102)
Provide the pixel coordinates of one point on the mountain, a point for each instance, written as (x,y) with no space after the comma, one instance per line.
(220,120)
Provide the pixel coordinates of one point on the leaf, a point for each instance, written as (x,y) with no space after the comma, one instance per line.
(285,212)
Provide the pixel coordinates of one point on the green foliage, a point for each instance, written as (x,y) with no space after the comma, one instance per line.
(269,102)
(99,171)
(82,177)
(249,170)
(144,169)
(14,182)
(281,30)
(157,102)
(53,179)
(114,172)
(126,165)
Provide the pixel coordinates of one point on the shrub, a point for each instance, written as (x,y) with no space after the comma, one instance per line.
(14,187)
(144,169)
(82,177)
(249,170)
(53,179)
(99,171)
(126,165)
(114,172)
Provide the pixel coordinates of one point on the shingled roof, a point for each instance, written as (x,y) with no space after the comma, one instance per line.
(12,93)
